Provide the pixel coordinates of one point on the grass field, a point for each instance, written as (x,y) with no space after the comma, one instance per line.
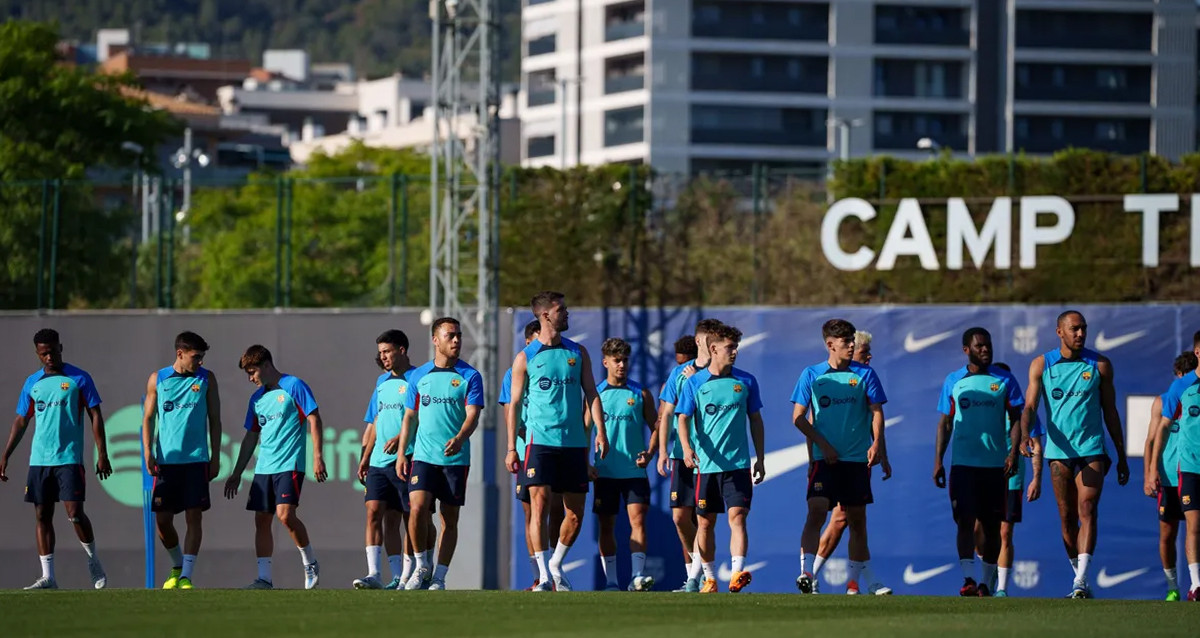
(225,614)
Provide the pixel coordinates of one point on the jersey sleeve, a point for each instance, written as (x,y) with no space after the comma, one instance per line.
(1172,402)
(25,400)
(946,398)
(873,388)
(671,391)
(506,389)
(475,389)
(411,397)
(802,394)
(303,396)
(1015,398)
(372,406)
(87,390)
(754,403)
(687,400)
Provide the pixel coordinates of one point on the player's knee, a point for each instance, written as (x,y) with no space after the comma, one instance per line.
(1087,508)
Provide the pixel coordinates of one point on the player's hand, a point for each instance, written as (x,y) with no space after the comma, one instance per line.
(1027,447)
(402,466)
(1122,471)
(593,473)
(231,486)
(512,461)
(1151,486)
(875,455)
(601,444)
(664,469)
(760,471)
(104,468)
(689,371)
(363,466)
(828,453)
(1034,492)
(690,459)
(151,465)
(1011,465)
(3,467)
(392,445)
(939,475)
(886,465)
(319,469)
(453,446)
(643,458)
(214,467)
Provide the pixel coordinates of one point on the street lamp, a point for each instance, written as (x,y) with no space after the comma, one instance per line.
(182,159)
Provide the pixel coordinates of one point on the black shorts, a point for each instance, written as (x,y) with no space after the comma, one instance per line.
(180,487)
(606,501)
(683,484)
(269,490)
(721,490)
(562,469)
(1189,491)
(1170,509)
(978,493)
(1014,503)
(447,483)
(54,483)
(845,483)
(384,485)
(1079,463)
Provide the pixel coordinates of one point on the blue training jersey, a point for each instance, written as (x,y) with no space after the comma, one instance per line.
(979,405)
(280,415)
(386,411)
(56,402)
(840,401)
(1074,420)
(720,407)
(182,415)
(1182,404)
(670,394)
(625,420)
(555,408)
(441,398)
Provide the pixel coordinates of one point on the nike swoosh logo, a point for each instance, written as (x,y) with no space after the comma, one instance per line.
(725,573)
(575,564)
(746,342)
(1104,580)
(781,462)
(1103,343)
(913,344)
(915,578)
(579,337)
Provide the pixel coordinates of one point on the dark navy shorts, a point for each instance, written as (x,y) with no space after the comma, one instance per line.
(1079,463)
(54,483)
(447,483)
(1189,491)
(522,491)
(180,487)
(384,485)
(1170,509)
(606,501)
(270,490)
(721,490)
(845,483)
(1014,504)
(562,469)
(978,493)
(683,484)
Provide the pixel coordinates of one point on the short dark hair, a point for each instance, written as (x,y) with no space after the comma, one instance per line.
(544,300)
(1185,363)
(686,346)
(726,332)
(255,355)
(615,347)
(972,332)
(395,338)
(707,326)
(189,340)
(441,321)
(46,336)
(532,328)
(1196,339)
(1003,366)
(838,329)
(1067,313)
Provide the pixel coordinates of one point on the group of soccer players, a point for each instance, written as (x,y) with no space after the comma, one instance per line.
(567,433)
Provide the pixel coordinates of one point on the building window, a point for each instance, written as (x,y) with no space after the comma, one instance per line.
(540,87)
(1056,129)
(1110,131)
(1022,128)
(1111,79)
(795,69)
(541,46)
(883,124)
(756,67)
(1059,77)
(708,14)
(624,126)
(756,14)
(1023,75)
(542,146)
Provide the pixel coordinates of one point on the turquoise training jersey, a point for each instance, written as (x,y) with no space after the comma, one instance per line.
(505,398)
(56,402)
(555,408)
(1168,466)
(182,416)
(625,422)
(979,405)
(1182,404)
(1071,391)
(441,398)
(386,411)
(280,416)
(670,394)
(720,407)
(840,401)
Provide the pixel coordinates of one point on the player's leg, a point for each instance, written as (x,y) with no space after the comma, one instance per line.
(87,538)
(737,494)
(164,522)
(192,539)
(1170,514)
(451,490)
(1062,479)
(264,549)
(991,553)
(1191,548)
(1089,483)
(831,537)
(683,513)
(819,503)
(539,507)
(853,491)
(374,538)
(554,520)
(421,499)
(573,503)
(709,504)
(393,544)
(606,502)
(962,491)
(192,498)
(1004,561)
(44,529)
(636,492)
(527,510)
(287,515)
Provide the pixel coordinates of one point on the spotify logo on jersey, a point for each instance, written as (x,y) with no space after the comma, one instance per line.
(124,433)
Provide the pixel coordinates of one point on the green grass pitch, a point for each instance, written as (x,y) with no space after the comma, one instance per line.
(306,614)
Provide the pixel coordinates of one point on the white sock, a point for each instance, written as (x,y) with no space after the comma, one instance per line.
(396,564)
(422,561)
(738,563)
(264,569)
(1194,572)
(1002,578)
(533,564)
(410,562)
(556,561)
(610,569)
(374,552)
(1172,578)
(47,566)
(176,556)
(989,573)
(189,564)
(856,569)
(638,561)
(818,563)
(307,555)
(1081,572)
(710,571)
(867,576)
(439,572)
(90,548)
(968,567)
(807,563)
(542,570)
(696,567)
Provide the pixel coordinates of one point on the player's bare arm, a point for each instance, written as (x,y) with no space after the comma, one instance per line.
(149,415)
(800,419)
(103,467)
(512,412)
(758,436)
(877,453)
(1160,440)
(468,428)
(1112,418)
(364,460)
(213,402)
(685,442)
(666,410)
(650,416)
(592,398)
(1013,462)
(316,429)
(14,439)
(945,428)
(249,442)
(1033,397)
(1148,449)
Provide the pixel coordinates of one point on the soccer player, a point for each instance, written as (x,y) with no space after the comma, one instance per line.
(558,373)
(183,400)
(448,393)
(846,399)
(386,494)
(56,398)
(685,349)
(980,408)
(1077,385)
(1166,488)
(670,456)
(622,474)
(715,405)
(276,415)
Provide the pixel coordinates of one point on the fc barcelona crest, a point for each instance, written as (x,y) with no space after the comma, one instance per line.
(853,381)
(65,385)
(995,387)
(571,361)
(281,398)
(737,387)
(531,472)
(195,387)
(630,401)
(1087,375)
(454,383)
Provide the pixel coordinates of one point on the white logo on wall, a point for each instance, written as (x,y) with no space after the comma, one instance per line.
(1025,339)
(836,571)
(1025,574)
